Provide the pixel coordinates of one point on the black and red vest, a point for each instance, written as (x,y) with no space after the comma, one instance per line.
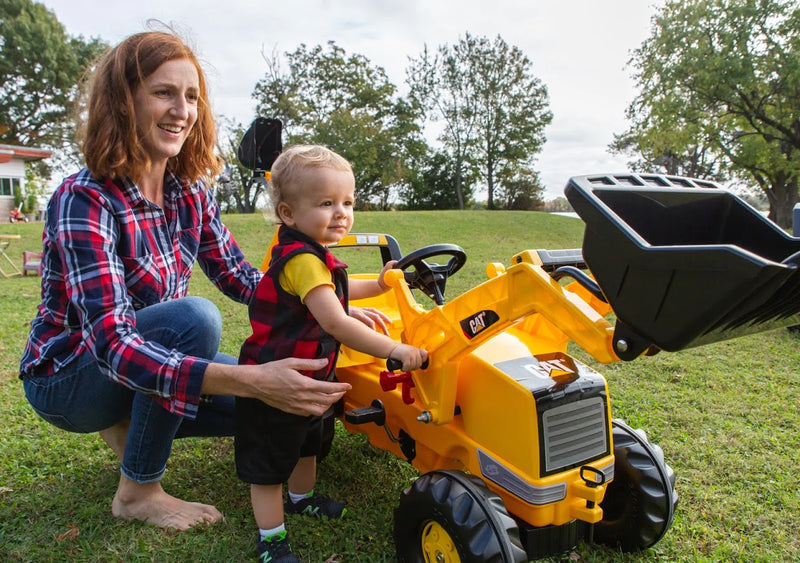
(283,327)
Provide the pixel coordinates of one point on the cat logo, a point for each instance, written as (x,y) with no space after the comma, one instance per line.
(477,323)
(551,368)
(539,373)
(557,366)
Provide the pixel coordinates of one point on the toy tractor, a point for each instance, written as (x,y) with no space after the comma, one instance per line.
(514,439)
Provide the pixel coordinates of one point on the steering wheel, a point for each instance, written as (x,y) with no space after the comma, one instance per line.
(431,278)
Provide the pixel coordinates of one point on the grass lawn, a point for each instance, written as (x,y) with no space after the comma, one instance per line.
(726,416)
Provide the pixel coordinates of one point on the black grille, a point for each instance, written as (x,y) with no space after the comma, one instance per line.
(574,433)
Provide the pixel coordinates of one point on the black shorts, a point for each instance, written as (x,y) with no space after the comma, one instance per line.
(269,442)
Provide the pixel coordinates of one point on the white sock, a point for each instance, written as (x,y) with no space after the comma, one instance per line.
(297,497)
(269,533)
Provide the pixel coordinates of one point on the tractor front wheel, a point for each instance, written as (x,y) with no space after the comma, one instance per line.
(639,504)
(450,517)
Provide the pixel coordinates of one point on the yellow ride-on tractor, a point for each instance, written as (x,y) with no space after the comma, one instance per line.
(519,455)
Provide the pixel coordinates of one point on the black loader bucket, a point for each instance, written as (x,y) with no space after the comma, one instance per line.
(684,262)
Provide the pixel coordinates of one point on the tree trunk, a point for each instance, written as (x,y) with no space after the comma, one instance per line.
(782,196)
(459,192)
(489,182)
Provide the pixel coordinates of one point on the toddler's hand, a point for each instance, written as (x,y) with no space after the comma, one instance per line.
(388,266)
(412,357)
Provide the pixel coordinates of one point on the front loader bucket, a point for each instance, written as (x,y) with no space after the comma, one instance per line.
(683,262)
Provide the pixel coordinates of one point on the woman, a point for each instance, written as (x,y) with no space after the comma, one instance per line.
(117,346)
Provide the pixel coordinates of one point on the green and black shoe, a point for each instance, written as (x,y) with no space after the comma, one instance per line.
(316,506)
(275,549)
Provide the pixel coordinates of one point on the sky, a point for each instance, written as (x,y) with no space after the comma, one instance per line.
(578,48)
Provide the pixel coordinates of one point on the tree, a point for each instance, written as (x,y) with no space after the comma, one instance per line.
(345,103)
(720,80)
(237,189)
(440,90)
(654,152)
(494,110)
(431,187)
(40,68)
(559,204)
(521,190)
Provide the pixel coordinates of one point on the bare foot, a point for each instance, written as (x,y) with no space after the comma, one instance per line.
(116,436)
(150,503)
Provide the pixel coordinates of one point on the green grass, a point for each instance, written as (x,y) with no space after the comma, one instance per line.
(726,416)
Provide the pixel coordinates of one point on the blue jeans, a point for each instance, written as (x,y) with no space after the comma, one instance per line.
(79,398)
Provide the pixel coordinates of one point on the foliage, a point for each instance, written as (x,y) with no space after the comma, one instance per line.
(31,202)
(18,197)
(238,190)
(493,108)
(432,185)
(40,68)
(558,204)
(656,150)
(440,90)
(344,102)
(522,191)
(35,187)
(725,414)
(720,94)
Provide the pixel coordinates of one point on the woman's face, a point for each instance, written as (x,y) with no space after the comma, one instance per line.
(166,108)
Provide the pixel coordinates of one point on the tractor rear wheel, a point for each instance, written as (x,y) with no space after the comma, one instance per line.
(449,516)
(639,504)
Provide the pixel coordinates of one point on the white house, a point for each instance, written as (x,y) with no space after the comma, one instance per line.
(12,173)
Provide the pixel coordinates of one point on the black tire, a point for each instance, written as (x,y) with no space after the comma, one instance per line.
(460,505)
(639,505)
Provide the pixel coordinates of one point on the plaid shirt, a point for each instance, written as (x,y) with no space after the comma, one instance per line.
(108,252)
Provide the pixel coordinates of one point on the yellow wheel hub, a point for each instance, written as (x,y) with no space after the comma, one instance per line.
(437,547)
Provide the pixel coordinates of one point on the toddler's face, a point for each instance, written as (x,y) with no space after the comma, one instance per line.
(323,208)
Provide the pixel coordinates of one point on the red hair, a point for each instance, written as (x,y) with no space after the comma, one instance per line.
(111,143)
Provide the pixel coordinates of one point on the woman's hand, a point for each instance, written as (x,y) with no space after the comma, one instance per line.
(278,383)
(286,389)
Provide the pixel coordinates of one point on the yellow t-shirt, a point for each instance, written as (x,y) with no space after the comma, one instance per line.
(304,272)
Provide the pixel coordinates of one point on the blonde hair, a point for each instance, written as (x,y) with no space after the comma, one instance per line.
(110,141)
(288,169)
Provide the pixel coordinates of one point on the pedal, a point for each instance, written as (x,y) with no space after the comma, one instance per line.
(373,413)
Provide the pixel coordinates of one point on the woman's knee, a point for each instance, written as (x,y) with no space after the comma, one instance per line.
(79,398)
(204,313)
(192,325)
(205,320)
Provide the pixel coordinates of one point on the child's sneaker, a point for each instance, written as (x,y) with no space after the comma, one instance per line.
(275,549)
(316,506)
